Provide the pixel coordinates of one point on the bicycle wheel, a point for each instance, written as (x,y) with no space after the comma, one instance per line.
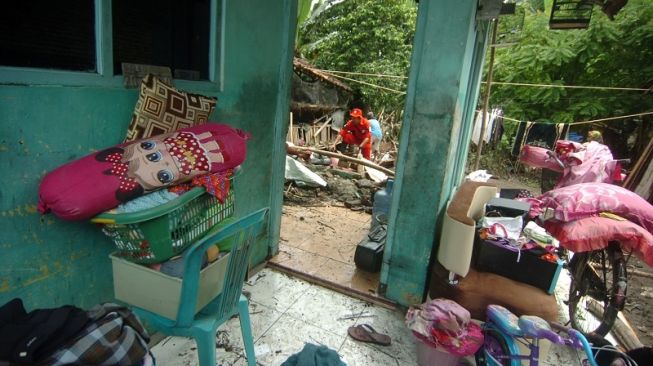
(598,289)
(495,350)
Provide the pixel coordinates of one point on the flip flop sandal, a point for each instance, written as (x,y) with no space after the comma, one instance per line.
(365,333)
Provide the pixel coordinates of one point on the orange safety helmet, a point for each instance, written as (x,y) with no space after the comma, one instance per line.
(356,113)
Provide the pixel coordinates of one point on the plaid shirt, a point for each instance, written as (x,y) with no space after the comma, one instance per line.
(115,336)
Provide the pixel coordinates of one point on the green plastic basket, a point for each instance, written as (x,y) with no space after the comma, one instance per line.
(157,234)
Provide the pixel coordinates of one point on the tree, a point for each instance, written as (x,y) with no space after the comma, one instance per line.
(364,36)
(609,53)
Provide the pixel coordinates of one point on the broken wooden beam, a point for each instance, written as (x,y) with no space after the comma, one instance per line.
(364,162)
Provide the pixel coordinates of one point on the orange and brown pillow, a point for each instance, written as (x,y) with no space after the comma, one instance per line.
(162,108)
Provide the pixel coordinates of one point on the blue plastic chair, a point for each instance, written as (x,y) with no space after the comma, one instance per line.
(202,327)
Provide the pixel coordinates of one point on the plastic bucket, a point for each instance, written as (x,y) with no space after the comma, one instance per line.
(430,356)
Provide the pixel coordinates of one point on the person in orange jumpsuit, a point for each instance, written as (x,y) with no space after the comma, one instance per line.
(356,132)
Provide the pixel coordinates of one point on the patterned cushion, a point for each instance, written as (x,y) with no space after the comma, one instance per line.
(162,108)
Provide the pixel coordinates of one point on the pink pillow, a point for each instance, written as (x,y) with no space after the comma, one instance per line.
(537,157)
(589,199)
(593,233)
(100,181)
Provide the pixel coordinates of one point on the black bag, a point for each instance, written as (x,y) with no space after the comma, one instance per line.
(369,252)
(507,208)
(26,338)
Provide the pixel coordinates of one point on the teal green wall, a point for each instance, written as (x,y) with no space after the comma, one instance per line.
(442,89)
(48,262)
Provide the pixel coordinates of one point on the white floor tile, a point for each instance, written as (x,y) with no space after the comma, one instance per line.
(324,308)
(288,336)
(183,351)
(175,351)
(230,334)
(286,313)
(275,290)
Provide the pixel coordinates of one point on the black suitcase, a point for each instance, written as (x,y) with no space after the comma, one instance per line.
(369,255)
(507,208)
(369,252)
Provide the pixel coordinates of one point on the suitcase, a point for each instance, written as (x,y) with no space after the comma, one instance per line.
(369,252)
(369,255)
(508,208)
(524,266)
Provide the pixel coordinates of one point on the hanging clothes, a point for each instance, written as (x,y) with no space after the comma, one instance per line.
(539,134)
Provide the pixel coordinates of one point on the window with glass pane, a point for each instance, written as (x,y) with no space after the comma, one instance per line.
(48,34)
(163,33)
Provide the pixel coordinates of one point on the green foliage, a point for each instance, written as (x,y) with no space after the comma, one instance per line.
(609,53)
(304,9)
(364,36)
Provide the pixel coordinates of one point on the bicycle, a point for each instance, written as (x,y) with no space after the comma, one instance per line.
(503,331)
(598,278)
(597,292)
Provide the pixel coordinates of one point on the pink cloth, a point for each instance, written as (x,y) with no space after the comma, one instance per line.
(584,163)
(594,233)
(589,199)
(443,323)
(537,157)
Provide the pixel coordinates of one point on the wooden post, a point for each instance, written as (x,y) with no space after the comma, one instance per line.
(291,130)
(486,100)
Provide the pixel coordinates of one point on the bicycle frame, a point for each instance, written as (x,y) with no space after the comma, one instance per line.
(508,335)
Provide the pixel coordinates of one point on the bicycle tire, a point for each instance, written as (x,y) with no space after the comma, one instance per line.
(606,286)
(495,345)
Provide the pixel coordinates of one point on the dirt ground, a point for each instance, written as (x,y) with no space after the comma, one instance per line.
(357,194)
(639,301)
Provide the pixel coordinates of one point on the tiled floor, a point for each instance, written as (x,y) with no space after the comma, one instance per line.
(321,241)
(286,313)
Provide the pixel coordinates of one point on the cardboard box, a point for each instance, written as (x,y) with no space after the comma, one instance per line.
(530,269)
(159,293)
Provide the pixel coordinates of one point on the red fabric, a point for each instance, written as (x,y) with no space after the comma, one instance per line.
(366,150)
(355,134)
(594,233)
(216,185)
(359,131)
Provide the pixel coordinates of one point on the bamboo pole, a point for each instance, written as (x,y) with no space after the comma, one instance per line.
(348,158)
(323,125)
(486,100)
(291,139)
(631,272)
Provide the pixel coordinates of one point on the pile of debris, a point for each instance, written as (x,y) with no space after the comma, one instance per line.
(315,179)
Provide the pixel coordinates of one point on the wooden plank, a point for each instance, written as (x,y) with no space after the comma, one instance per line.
(349,158)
